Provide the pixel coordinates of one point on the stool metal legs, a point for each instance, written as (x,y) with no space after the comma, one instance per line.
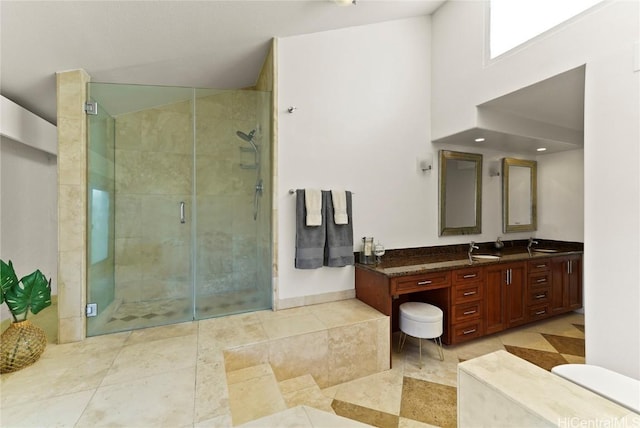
(438,341)
(402,339)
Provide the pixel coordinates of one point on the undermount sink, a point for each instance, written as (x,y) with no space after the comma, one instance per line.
(544,250)
(485,257)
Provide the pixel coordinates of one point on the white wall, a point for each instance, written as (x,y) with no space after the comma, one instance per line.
(29,210)
(612,211)
(561,196)
(28,193)
(363,118)
(603,39)
(362,121)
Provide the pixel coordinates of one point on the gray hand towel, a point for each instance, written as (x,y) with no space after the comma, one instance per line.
(339,249)
(310,240)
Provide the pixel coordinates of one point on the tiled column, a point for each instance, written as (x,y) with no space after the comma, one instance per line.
(72,204)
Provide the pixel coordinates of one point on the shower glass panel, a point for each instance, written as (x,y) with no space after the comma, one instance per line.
(101,213)
(233,239)
(188,231)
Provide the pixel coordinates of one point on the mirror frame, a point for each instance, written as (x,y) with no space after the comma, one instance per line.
(533,203)
(464,230)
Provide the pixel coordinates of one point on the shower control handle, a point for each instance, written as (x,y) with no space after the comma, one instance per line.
(182,218)
(258,192)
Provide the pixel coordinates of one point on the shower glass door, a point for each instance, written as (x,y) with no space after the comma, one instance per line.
(178,230)
(151,146)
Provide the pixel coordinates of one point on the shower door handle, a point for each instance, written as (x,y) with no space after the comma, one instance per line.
(182,219)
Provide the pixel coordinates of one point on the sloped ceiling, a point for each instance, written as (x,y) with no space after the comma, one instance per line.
(208,44)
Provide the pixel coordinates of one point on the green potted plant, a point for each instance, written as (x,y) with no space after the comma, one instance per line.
(22,343)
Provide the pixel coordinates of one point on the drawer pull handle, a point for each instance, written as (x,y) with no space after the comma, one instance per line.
(469,312)
(469,293)
(424,282)
(541,312)
(541,296)
(473,275)
(473,330)
(542,280)
(541,266)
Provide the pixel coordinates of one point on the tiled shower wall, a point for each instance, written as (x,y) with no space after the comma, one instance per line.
(154,174)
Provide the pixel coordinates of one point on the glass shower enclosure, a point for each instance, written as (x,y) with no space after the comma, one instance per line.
(180,218)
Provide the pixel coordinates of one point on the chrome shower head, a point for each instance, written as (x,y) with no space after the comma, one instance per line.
(248,138)
(245,137)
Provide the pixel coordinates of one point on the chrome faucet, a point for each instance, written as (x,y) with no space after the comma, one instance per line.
(531,242)
(472,246)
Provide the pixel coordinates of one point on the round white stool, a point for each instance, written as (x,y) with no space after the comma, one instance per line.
(421,320)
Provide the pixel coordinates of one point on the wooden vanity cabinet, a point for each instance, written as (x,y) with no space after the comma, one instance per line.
(566,283)
(467,304)
(480,299)
(539,289)
(505,296)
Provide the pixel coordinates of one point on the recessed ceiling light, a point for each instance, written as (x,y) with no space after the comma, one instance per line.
(541,149)
(479,140)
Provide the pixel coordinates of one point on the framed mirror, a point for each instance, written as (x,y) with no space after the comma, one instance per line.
(460,193)
(519,195)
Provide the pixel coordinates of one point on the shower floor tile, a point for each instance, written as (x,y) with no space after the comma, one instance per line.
(134,315)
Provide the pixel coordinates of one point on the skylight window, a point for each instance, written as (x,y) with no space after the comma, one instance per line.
(513,22)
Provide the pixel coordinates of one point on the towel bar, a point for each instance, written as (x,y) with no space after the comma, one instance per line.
(293,192)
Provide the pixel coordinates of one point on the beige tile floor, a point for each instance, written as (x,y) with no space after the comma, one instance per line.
(175,376)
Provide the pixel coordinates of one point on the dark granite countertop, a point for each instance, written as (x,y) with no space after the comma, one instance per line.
(415,261)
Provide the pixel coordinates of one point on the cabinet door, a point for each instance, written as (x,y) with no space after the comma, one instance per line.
(574,285)
(566,284)
(516,294)
(495,298)
(559,272)
(505,296)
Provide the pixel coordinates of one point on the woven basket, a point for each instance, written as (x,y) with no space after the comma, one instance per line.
(22,345)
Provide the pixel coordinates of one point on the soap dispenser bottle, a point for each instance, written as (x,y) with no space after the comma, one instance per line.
(498,244)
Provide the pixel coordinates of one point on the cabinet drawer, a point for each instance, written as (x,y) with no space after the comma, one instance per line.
(468,292)
(539,296)
(463,276)
(421,282)
(467,312)
(539,312)
(540,279)
(543,265)
(467,331)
